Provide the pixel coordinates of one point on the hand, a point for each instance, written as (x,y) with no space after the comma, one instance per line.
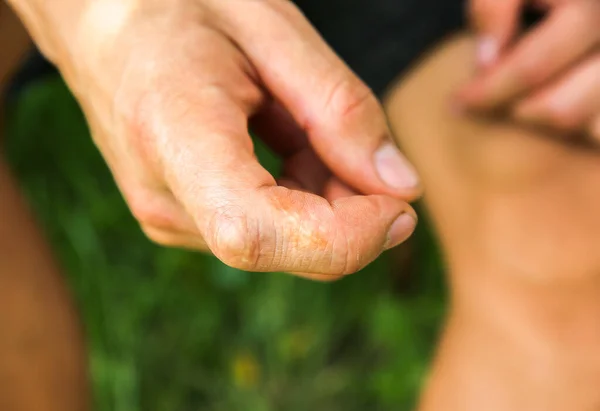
(497,24)
(551,77)
(170,88)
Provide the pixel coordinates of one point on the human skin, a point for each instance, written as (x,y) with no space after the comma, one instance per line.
(42,356)
(169,89)
(509,310)
(549,77)
(43,365)
(516,213)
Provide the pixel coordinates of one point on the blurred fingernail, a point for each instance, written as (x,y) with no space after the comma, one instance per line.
(487,51)
(401,230)
(394,169)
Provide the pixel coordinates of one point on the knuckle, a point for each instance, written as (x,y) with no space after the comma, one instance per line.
(143,100)
(135,112)
(234,238)
(349,97)
(136,85)
(134,119)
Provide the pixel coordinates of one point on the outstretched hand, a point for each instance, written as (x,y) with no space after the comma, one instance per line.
(170,90)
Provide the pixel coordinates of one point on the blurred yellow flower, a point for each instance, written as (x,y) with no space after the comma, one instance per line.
(245,370)
(296,344)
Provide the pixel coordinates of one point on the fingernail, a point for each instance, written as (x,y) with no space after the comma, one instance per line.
(487,51)
(401,230)
(394,169)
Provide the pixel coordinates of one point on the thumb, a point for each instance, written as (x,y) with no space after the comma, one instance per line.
(496,23)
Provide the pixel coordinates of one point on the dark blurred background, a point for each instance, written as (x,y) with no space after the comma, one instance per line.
(174,330)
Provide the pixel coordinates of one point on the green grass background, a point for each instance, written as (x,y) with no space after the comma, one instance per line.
(176,331)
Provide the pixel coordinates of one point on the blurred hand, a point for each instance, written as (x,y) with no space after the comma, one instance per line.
(551,76)
(497,24)
(170,89)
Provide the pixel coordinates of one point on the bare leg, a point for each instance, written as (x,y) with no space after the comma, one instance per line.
(517,214)
(42,357)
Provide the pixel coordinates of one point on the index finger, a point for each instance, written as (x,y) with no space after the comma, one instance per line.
(496,23)
(248,221)
(342,118)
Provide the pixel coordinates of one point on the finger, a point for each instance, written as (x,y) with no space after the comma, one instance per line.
(570,103)
(496,23)
(158,209)
(174,239)
(335,189)
(247,221)
(566,36)
(549,4)
(342,118)
(302,168)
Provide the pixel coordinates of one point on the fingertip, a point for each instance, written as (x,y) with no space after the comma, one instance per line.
(396,171)
(372,225)
(401,229)
(488,51)
(497,23)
